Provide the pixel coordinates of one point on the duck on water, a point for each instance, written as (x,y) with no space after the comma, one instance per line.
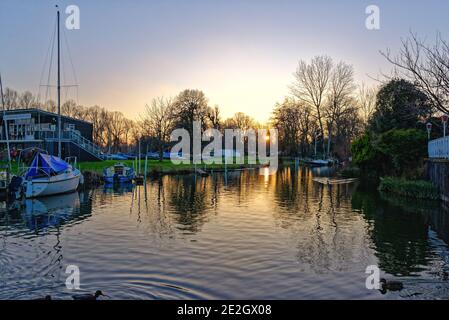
(84,296)
(390,285)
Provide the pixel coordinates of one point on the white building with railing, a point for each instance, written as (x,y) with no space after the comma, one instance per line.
(439,148)
(38,128)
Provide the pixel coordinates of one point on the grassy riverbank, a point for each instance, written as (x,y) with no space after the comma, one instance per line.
(164,166)
(93,171)
(418,189)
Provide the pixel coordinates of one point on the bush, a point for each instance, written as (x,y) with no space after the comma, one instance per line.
(418,189)
(398,152)
(406,149)
(364,154)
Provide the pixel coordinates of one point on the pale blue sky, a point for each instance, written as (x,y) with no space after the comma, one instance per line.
(241,53)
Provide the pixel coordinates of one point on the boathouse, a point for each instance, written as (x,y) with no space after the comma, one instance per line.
(38,128)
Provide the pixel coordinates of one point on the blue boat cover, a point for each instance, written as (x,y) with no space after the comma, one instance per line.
(46,163)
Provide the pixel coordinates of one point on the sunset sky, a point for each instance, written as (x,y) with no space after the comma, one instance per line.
(241,53)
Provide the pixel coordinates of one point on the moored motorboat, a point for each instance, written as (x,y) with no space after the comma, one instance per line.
(49,175)
(118,173)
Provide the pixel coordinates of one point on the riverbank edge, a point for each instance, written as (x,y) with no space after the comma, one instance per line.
(94,176)
(417,189)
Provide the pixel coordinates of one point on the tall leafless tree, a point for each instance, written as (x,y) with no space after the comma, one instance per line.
(158,120)
(11,99)
(214,117)
(27,100)
(339,97)
(311,84)
(366,101)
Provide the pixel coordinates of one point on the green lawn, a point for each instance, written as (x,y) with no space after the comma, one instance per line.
(165,166)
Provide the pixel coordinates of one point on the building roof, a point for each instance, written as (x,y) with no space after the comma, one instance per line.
(29,110)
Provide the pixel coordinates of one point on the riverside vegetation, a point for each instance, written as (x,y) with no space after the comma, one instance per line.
(393,147)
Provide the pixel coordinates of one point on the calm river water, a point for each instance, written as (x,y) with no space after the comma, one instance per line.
(244,236)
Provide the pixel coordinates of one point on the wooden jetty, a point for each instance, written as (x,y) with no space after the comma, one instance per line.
(326,180)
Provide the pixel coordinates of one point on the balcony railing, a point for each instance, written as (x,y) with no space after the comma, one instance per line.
(439,148)
(75,137)
(66,136)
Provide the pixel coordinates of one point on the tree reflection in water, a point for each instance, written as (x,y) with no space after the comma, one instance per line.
(284,232)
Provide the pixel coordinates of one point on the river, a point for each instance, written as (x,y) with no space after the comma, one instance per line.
(244,235)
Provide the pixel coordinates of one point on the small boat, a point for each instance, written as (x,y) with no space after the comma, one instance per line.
(49,175)
(118,173)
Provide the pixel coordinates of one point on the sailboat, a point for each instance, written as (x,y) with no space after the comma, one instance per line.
(49,175)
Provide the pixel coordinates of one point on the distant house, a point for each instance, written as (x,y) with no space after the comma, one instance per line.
(38,128)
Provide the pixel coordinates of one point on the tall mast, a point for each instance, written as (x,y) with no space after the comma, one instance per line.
(59,90)
(5,122)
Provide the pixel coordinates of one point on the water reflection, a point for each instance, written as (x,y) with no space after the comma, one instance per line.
(118,188)
(45,212)
(400,230)
(243,235)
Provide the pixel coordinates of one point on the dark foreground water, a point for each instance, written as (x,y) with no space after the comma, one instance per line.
(244,236)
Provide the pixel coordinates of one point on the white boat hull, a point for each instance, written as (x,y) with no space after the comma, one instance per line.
(46,186)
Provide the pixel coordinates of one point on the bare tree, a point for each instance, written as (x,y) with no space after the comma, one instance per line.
(50,106)
(191,105)
(286,119)
(427,66)
(97,116)
(27,100)
(242,121)
(339,97)
(11,99)
(311,85)
(366,101)
(115,130)
(127,134)
(295,124)
(68,108)
(158,121)
(349,126)
(214,117)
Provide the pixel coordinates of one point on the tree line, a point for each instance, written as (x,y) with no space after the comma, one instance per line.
(323,114)
(325,110)
(115,133)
